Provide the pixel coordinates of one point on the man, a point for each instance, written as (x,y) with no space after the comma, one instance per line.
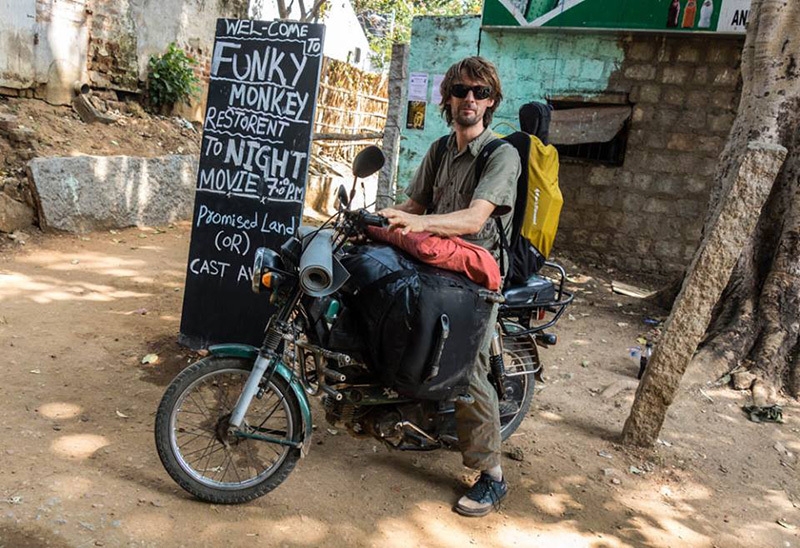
(457,205)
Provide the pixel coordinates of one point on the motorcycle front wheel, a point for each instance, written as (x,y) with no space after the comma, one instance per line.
(199,451)
(521,360)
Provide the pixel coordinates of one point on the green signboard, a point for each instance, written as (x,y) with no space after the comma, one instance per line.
(722,16)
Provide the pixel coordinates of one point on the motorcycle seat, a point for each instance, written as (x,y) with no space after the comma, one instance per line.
(537,291)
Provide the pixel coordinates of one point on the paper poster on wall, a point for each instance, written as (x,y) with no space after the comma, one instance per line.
(416,115)
(418,86)
(725,16)
(436,94)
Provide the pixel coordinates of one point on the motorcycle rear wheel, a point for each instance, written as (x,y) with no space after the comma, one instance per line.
(520,355)
(199,452)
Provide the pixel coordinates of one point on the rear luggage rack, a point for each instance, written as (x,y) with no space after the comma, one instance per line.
(523,312)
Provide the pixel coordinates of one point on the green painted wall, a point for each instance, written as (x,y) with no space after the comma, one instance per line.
(532,66)
(436,43)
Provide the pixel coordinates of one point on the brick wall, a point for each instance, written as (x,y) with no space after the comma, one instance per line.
(647,215)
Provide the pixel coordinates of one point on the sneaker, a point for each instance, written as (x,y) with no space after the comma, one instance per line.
(483,497)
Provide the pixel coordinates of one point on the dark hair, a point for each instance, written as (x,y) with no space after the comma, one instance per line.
(474,68)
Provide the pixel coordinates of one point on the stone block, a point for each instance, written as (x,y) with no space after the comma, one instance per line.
(87,193)
(14,215)
(667,117)
(688,53)
(601,176)
(725,100)
(642,181)
(674,75)
(684,142)
(642,51)
(633,202)
(711,144)
(726,77)
(656,140)
(640,72)
(697,99)
(700,75)
(656,205)
(720,123)
(668,249)
(593,69)
(693,119)
(696,185)
(649,93)
(673,96)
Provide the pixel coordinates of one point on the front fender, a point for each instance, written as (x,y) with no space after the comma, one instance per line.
(248,352)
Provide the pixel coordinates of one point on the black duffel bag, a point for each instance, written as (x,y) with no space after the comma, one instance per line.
(421,327)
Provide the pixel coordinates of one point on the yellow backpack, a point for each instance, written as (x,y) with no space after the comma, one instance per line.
(538,204)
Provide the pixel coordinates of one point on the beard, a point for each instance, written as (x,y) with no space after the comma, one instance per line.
(467,119)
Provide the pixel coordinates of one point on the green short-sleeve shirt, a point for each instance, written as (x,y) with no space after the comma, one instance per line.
(453,186)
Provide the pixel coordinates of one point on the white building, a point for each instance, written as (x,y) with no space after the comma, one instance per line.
(345,40)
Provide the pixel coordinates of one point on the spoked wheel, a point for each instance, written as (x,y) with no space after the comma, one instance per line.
(204,456)
(521,360)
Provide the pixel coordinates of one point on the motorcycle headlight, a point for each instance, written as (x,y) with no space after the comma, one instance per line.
(265,263)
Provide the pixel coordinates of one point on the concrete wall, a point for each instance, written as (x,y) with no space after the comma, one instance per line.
(45,45)
(647,214)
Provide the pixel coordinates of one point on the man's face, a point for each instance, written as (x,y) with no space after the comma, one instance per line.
(468,111)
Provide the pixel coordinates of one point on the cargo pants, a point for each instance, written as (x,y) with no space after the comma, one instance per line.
(478,423)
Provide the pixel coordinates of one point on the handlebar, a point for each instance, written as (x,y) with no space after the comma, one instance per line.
(365,218)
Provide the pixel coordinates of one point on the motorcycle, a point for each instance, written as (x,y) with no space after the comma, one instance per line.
(232,426)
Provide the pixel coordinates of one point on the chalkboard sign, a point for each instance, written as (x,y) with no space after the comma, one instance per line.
(253,166)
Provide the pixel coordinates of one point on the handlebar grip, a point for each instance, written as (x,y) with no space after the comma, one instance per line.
(372,219)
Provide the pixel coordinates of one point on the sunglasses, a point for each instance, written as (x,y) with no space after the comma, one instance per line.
(479,92)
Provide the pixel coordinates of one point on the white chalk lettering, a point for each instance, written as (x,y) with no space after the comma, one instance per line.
(284,189)
(277,227)
(255,123)
(245,273)
(241,27)
(209,267)
(228,181)
(283,29)
(218,58)
(208,217)
(269,99)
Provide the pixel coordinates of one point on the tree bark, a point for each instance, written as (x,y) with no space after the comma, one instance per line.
(765,285)
(735,218)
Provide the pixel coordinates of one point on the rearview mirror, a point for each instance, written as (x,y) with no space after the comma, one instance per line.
(341,195)
(368,161)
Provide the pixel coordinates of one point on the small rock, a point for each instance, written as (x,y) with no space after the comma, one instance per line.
(610,471)
(605,455)
(85,525)
(743,380)
(635,470)
(516,453)
(616,481)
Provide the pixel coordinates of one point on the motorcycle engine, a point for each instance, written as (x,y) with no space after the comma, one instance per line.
(408,426)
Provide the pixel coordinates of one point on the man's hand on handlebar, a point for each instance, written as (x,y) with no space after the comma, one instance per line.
(405,222)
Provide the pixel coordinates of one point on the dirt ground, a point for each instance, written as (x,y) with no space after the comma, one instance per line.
(78,314)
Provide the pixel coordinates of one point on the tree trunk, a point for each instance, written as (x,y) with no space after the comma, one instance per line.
(758,315)
(755,325)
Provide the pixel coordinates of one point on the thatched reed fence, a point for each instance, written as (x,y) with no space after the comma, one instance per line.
(351,110)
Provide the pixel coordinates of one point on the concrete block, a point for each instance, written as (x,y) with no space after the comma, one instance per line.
(697,99)
(14,215)
(688,53)
(684,142)
(673,96)
(649,93)
(700,75)
(720,123)
(727,77)
(656,205)
(601,176)
(642,51)
(640,72)
(87,193)
(675,75)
